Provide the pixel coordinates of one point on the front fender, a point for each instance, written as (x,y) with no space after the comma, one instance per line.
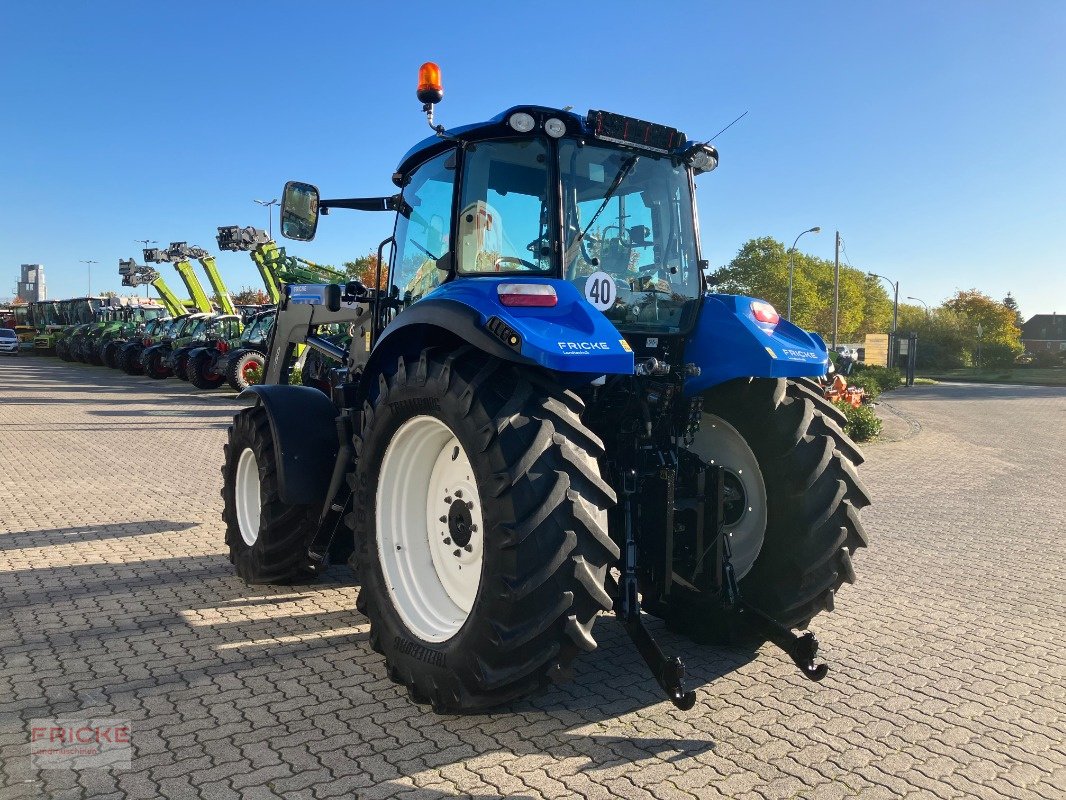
(302,424)
(571,336)
(727,342)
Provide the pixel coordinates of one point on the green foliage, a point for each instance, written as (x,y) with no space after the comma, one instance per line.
(254,376)
(883,379)
(760,269)
(868,381)
(862,424)
(947,336)
(296,376)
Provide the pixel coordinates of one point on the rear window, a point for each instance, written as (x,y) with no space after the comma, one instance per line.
(7,333)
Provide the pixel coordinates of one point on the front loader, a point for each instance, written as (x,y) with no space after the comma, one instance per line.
(548,415)
(128,356)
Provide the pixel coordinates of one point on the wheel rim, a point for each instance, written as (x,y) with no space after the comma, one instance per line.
(719,443)
(246,496)
(430,528)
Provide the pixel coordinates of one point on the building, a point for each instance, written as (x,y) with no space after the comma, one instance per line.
(31,286)
(1045,333)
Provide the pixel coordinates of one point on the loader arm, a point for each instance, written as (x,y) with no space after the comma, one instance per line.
(196,290)
(171,301)
(225,302)
(263,257)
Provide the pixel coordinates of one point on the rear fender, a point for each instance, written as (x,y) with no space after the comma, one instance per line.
(302,423)
(727,342)
(570,337)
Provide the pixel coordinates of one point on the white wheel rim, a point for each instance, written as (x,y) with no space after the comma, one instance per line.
(720,444)
(246,496)
(430,530)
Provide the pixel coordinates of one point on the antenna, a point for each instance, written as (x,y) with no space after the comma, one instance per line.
(727,127)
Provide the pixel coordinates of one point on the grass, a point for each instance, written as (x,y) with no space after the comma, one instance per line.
(1034,376)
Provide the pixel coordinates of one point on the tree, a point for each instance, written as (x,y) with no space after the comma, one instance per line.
(109,293)
(250,296)
(1012,304)
(1000,335)
(364,269)
(760,269)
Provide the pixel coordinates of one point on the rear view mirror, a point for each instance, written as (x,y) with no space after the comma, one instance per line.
(299,211)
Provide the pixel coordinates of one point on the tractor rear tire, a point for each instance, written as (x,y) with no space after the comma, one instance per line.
(267,539)
(200,374)
(153,366)
(812,501)
(487,445)
(240,365)
(63,351)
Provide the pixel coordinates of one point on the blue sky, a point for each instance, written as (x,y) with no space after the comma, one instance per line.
(930,134)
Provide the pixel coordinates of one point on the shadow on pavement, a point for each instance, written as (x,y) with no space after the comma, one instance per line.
(48,537)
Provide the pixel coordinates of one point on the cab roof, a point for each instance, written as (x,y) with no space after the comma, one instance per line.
(497,126)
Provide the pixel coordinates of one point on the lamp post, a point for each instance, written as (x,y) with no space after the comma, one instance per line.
(270,219)
(146,242)
(920,300)
(895,307)
(792,250)
(89,264)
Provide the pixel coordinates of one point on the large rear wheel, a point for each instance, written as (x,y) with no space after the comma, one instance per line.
(480,528)
(200,372)
(792,499)
(267,539)
(152,360)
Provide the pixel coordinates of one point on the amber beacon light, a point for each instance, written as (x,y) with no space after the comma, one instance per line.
(430,89)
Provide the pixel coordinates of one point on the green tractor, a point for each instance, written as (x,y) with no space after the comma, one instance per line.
(155,357)
(78,313)
(238,361)
(135,319)
(48,319)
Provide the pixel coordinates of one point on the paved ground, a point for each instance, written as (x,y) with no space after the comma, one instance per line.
(948,663)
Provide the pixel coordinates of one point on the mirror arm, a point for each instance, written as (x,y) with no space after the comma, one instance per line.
(362,203)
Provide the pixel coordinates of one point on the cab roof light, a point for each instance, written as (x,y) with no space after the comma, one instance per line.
(527,294)
(764,312)
(430,88)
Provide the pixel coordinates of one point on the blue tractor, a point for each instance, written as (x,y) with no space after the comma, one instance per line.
(544,414)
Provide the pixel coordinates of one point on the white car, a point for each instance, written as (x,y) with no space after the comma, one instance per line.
(9,342)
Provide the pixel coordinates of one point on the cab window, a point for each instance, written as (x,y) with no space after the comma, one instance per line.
(504,220)
(423,228)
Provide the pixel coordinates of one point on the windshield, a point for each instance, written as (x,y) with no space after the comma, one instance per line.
(7,333)
(259,328)
(629,214)
(196,328)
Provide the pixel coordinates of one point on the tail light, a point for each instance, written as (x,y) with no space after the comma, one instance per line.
(527,294)
(764,312)
(222,346)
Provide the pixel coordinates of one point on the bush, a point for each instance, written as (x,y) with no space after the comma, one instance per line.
(885,378)
(863,424)
(864,380)
(296,376)
(254,376)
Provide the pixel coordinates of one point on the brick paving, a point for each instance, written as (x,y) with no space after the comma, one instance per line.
(948,669)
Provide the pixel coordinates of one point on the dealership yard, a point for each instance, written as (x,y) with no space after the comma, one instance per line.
(948,657)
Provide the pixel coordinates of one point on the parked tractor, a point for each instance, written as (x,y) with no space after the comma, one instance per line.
(547,416)
(236,360)
(156,357)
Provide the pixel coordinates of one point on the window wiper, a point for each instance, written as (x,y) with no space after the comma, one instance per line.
(623,172)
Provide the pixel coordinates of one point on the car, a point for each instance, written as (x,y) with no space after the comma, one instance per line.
(9,342)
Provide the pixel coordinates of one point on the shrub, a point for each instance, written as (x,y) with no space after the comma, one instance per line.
(254,375)
(296,376)
(886,378)
(864,380)
(862,424)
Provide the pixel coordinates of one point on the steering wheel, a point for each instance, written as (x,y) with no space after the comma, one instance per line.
(514,260)
(622,237)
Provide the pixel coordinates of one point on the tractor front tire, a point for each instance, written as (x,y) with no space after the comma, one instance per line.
(181,366)
(241,366)
(153,366)
(129,360)
(469,461)
(110,353)
(267,539)
(809,492)
(200,374)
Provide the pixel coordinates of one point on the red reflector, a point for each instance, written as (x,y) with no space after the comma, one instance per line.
(764,312)
(221,346)
(527,294)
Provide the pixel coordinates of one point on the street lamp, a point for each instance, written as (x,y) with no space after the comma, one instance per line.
(920,300)
(270,220)
(146,242)
(90,266)
(792,250)
(895,308)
